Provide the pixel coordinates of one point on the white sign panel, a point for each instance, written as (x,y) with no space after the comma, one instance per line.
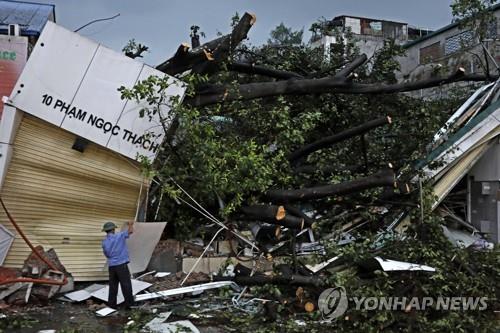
(72,82)
(131,123)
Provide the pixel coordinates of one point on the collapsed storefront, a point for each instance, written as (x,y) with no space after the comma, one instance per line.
(69,148)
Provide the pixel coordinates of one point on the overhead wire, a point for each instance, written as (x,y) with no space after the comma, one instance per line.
(213,218)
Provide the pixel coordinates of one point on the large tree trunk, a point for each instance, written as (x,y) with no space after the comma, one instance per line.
(382,178)
(275,215)
(329,140)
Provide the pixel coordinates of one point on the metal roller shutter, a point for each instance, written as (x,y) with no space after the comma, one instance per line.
(61,197)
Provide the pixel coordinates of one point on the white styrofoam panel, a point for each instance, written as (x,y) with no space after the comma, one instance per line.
(142,243)
(393,265)
(83,294)
(55,70)
(137,286)
(101,108)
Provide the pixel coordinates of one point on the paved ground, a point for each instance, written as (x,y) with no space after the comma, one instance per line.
(72,318)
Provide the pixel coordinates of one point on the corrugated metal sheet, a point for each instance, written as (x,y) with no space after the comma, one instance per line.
(61,197)
(476,124)
(30,16)
(451,178)
(457,172)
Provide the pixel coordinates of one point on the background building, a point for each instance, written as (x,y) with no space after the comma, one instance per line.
(368,34)
(447,49)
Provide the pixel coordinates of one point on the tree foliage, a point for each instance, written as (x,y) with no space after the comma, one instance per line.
(283,35)
(475,15)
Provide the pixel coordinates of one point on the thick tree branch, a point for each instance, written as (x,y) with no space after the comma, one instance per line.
(201,58)
(250,68)
(264,213)
(352,66)
(324,85)
(329,140)
(382,178)
(183,59)
(331,169)
(228,45)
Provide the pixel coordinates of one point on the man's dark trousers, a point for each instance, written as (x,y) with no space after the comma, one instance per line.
(120,274)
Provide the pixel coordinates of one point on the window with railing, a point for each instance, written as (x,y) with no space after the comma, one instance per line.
(491,32)
(458,42)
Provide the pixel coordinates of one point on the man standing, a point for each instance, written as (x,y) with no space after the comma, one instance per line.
(115,249)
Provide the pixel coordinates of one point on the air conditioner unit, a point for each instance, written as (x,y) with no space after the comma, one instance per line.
(14,30)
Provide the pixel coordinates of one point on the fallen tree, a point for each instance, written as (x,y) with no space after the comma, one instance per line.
(288,144)
(267,134)
(215,56)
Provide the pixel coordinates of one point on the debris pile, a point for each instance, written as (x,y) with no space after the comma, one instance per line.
(41,278)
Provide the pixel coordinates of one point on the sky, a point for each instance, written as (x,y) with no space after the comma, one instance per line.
(164,24)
